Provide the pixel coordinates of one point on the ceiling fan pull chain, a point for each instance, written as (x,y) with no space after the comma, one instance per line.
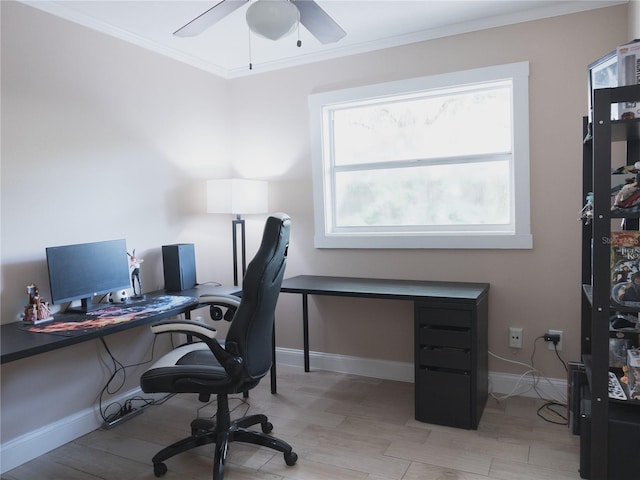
(299,42)
(250,64)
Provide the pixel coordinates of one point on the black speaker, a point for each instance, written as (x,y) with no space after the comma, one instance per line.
(179,263)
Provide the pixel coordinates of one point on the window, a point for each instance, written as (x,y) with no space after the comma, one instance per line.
(431,162)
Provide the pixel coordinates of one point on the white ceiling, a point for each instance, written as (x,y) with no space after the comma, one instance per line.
(224,48)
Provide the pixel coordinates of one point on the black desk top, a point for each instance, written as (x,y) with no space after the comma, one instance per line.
(385,288)
(17,343)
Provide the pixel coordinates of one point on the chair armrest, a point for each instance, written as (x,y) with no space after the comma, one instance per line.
(229,361)
(203,332)
(230,301)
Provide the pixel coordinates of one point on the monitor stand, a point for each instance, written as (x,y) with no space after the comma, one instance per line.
(85,306)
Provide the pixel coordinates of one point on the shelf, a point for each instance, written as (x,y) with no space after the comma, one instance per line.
(588,292)
(633,212)
(587,360)
(623,130)
(602,459)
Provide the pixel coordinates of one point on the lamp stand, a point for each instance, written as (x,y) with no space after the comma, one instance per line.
(234,229)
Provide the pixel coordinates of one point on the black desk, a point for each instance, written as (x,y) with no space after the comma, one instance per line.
(17,343)
(451,351)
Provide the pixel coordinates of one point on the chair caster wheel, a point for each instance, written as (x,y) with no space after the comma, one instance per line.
(290,458)
(159,469)
(267,427)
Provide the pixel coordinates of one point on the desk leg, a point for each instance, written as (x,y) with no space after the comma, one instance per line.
(274,389)
(305,330)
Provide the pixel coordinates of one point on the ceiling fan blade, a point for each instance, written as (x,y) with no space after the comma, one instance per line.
(209,18)
(318,22)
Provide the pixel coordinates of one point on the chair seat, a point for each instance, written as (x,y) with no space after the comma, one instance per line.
(191,368)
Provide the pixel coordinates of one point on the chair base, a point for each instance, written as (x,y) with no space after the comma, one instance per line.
(222,432)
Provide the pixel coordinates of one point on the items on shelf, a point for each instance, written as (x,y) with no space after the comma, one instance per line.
(627,193)
(36,310)
(615,389)
(622,322)
(625,268)
(633,372)
(618,348)
(586,214)
(628,58)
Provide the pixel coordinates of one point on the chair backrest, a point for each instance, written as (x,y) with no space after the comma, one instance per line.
(251,330)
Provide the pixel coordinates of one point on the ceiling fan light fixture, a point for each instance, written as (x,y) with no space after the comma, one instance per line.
(272,19)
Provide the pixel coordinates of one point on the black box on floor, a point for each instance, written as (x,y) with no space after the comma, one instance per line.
(577,377)
(585,431)
(623,429)
(179,264)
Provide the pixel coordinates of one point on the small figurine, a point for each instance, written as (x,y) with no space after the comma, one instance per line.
(37,310)
(586,214)
(134,265)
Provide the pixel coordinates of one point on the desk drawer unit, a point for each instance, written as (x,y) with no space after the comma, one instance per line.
(451,379)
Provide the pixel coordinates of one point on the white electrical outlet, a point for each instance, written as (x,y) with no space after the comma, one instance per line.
(515,337)
(550,345)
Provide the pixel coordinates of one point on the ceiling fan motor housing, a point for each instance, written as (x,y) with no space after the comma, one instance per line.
(272,19)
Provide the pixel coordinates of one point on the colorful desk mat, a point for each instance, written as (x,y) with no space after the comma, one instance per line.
(112,315)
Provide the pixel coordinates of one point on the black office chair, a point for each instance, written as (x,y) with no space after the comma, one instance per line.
(209,368)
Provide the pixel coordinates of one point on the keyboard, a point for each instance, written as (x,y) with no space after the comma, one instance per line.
(615,389)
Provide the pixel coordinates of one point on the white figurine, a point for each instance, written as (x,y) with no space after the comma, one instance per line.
(134,266)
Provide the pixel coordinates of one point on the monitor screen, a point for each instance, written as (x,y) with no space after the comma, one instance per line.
(82,271)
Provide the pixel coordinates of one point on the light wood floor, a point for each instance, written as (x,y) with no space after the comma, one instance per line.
(343,427)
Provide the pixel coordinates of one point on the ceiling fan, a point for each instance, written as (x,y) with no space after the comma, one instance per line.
(309,13)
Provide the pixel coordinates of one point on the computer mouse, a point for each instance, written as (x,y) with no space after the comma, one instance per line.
(619,322)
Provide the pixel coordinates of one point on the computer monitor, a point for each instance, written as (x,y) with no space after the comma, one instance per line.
(82,271)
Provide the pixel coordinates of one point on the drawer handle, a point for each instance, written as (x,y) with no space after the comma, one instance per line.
(446,328)
(445,370)
(433,348)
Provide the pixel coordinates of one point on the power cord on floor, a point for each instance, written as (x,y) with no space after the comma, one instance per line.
(127,406)
(549,408)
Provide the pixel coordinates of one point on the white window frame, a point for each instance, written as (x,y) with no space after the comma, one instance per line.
(518,238)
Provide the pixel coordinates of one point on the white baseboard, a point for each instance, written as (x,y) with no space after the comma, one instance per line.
(20,450)
(499,383)
(365,367)
(31,445)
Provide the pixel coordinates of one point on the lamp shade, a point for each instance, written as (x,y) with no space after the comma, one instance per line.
(272,19)
(237,196)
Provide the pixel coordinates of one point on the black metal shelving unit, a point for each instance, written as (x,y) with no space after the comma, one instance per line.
(612,425)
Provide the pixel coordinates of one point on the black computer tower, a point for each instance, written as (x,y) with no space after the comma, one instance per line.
(179,264)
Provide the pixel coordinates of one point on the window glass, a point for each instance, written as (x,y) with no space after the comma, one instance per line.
(436,195)
(445,123)
(433,162)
